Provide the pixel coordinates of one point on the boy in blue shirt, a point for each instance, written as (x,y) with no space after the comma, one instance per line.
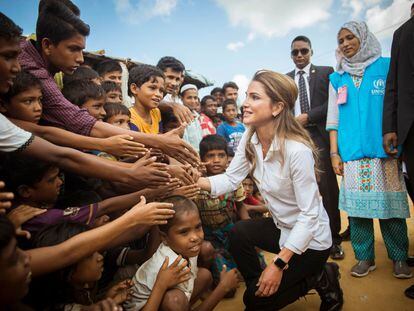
(231,129)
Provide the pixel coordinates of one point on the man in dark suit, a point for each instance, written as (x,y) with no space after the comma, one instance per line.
(398,116)
(310,110)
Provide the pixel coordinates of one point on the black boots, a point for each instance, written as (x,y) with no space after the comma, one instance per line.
(328,287)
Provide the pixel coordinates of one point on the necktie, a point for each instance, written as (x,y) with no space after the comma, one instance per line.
(303,95)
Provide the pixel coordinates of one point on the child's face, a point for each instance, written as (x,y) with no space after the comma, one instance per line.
(88,269)
(190,99)
(67,55)
(9,65)
(185,235)
(114,76)
(26,106)
(248,186)
(15,273)
(173,80)
(150,93)
(119,120)
(114,97)
(230,113)
(219,96)
(210,108)
(47,190)
(95,108)
(216,161)
(231,93)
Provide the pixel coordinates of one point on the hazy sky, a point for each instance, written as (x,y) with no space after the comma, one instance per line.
(221,39)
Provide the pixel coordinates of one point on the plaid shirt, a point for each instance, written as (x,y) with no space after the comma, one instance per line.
(57,110)
(207,126)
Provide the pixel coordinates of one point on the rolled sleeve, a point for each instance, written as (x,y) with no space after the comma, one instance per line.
(235,173)
(308,201)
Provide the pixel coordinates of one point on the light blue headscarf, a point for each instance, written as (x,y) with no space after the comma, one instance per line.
(369,50)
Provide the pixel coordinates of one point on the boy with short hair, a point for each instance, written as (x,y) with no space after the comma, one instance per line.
(146,85)
(208,111)
(110,70)
(218,214)
(231,129)
(117,115)
(218,95)
(82,73)
(230,91)
(193,132)
(113,92)
(87,95)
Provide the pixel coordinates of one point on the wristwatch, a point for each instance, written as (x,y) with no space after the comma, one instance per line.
(280,263)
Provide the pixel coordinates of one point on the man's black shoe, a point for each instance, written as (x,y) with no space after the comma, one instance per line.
(410,261)
(329,289)
(337,253)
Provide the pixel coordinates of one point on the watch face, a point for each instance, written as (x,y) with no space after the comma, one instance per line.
(280,263)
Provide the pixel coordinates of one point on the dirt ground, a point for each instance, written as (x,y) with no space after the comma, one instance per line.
(378,291)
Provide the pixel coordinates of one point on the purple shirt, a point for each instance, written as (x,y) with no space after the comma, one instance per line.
(84,214)
(57,110)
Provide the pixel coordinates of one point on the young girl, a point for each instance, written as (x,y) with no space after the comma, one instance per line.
(182,238)
(279,155)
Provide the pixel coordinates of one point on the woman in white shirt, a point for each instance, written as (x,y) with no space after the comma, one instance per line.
(279,154)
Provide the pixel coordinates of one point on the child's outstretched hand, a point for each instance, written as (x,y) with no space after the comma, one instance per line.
(123,146)
(120,292)
(228,279)
(190,191)
(154,213)
(170,276)
(20,215)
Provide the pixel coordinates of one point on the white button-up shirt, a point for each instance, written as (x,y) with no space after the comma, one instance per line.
(306,76)
(290,192)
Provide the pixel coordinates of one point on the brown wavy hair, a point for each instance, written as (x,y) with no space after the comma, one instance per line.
(281,88)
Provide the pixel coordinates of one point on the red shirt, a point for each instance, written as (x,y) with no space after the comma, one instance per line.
(57,110)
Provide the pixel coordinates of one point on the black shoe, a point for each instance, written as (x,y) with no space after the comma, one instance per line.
(329,289)
(410,261)
(409,292)
(337,253)
(346,235)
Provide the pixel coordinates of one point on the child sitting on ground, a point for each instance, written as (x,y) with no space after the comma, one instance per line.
(110,70)
(182,283)
(88,95)
(219,214)
(146,85)
(231,129)
(113,92)
(254,207)
(193,133)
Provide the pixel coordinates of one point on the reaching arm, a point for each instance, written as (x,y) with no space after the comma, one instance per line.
(48,259)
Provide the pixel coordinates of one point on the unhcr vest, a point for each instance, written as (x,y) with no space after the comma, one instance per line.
(360,118)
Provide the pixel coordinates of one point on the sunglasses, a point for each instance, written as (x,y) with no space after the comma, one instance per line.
(302,51)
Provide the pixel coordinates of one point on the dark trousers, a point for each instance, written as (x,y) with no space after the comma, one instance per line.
(409,156)
(297,280)
(328,184)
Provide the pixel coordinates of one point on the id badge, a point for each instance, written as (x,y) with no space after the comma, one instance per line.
(342,95)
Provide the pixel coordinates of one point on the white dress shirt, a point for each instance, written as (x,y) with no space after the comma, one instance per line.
(144,279)
(306,77)
(290,192)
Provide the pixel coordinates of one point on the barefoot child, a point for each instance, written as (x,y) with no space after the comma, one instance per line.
(182,237)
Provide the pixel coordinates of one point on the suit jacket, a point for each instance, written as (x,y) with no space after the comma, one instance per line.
(398,113)
(319,92)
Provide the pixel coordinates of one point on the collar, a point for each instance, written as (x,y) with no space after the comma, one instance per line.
(31,59)
(306,69)
(274,147)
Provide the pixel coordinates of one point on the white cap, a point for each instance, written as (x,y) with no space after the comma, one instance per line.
(188,87)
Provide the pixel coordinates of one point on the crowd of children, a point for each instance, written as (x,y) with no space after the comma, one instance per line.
(170,254)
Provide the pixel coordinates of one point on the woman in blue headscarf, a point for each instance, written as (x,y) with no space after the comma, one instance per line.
(372,184)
